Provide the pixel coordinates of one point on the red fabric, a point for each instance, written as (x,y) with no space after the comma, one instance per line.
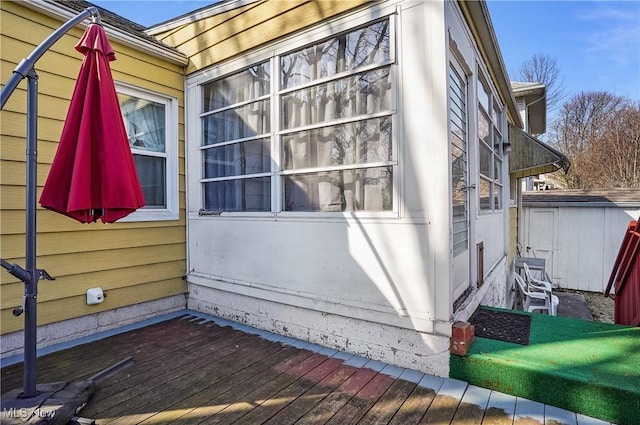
(93,174)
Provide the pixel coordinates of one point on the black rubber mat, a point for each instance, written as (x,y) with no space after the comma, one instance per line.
(502,326)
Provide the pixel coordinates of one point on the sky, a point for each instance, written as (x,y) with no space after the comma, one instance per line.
(596,43)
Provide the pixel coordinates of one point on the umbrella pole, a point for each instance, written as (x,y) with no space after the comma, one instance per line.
(31,287)
(26,65)
(30,275)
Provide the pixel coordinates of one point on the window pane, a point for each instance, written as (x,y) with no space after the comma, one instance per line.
(341,190)
(346,52)
(497,170)
(345,98)
(354,143)
(151,173)
(485,160)
(460,229)
(238,195)
(238,123)
(497,113)
(484,194)
(237,159)
(497,143)
(145,123)
(483,128)
(483,95)
(243,86)
(458,142)
(497,197)
(458,122)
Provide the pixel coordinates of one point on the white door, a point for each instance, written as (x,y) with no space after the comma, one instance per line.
(459,181)
(541,236)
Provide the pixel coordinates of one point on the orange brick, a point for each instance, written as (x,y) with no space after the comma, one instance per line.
(461,338)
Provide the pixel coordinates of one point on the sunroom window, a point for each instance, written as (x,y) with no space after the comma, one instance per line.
(329,145)
(236,141)
(490,153)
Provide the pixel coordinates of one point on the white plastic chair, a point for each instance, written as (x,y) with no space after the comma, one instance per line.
(541,285)
(536,300)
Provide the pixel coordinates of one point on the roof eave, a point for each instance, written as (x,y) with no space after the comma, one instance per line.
(531,156)
(535,98)
(479,21)
(58,11)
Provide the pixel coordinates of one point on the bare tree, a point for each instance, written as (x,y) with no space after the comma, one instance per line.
(617,151)
(541,68)
(600,133)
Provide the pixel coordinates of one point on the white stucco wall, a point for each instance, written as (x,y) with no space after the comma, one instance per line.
(395,345)
(375,285)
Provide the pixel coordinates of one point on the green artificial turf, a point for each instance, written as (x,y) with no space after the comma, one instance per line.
(587,367)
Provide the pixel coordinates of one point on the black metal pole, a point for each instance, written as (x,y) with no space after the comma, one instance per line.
(26,65)
(31,287)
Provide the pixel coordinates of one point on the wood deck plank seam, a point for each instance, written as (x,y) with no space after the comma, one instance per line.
(18,358)
(117,398)
(237,392)
(216,390)
(104,347)
(146,362)
(213,374)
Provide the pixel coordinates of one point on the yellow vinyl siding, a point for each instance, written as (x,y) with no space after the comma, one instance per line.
(215,39)
(105,239)
(133,262)
(76,306)
(72,285)
(513,234)
(13,222)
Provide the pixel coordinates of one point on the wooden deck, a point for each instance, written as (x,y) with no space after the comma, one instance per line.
(192,369)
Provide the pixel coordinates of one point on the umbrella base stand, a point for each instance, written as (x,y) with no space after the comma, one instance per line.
(55,403)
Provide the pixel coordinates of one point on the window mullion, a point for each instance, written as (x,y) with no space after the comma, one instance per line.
(276,142)
(357,166)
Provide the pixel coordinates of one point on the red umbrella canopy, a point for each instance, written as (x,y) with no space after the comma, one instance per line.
(93,174)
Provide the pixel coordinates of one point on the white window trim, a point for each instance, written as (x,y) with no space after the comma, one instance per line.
(171,212)
(194,84)
(483,81)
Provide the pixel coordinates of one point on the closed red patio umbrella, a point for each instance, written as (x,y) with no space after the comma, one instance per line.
(93,175)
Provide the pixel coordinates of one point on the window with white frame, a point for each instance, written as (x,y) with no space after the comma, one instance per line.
(150,120)
(459,158)
(327,147)
(236,141)
(490,181)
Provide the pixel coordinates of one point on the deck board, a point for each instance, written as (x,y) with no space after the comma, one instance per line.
(500,410)
(362,401)
(303,404)
(194,370)
(386,407)
(444,406)
(414,407)
(472,406)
